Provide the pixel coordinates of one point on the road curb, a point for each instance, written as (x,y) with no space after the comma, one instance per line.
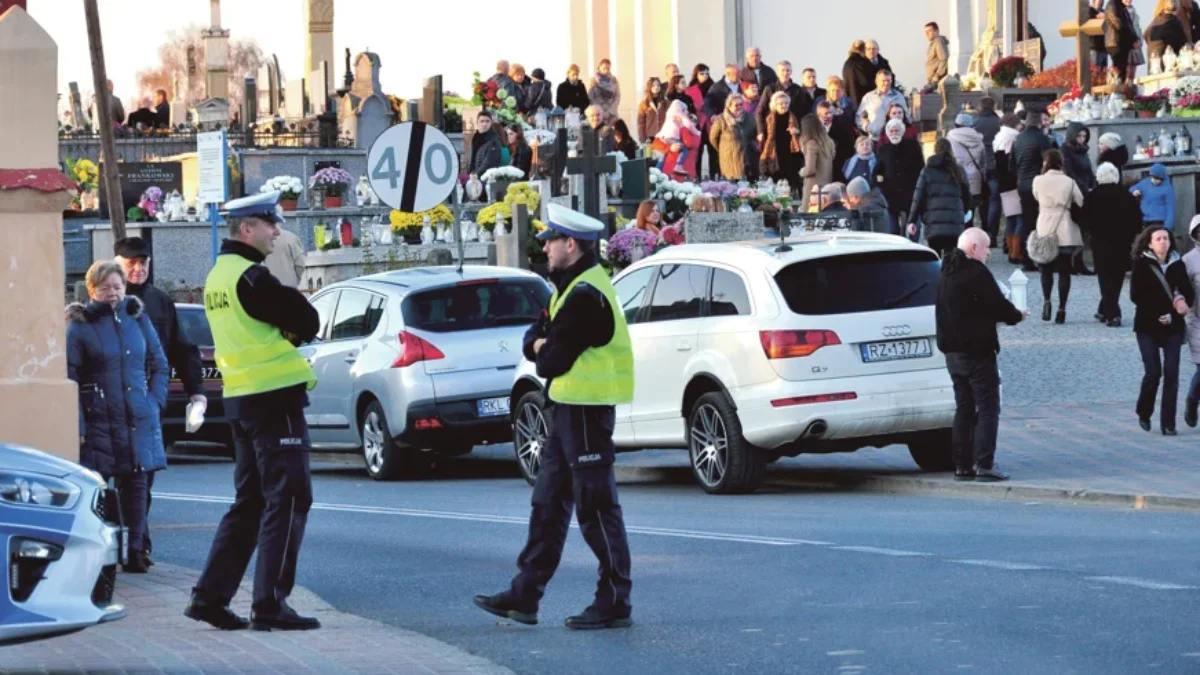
(836,480)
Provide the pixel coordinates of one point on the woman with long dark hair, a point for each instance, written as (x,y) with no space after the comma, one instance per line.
(623,140)
(652,110)
(518,149)
(697,91)
(940,200)
(677,91)
(1162,295)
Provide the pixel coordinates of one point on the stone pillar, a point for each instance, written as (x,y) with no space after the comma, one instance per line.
(318,20)
(39,406)
(961,34)
(580,35)
(1008,26)
(598,42)
(623,52)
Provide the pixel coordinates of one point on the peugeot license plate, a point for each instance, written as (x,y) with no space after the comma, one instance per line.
(493,407)
(895,350)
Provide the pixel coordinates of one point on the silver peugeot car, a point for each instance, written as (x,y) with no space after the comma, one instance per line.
(61,537)
(418,360)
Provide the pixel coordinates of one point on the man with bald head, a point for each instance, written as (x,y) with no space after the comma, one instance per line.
(969,305)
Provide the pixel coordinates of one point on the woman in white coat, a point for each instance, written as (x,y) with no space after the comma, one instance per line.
(1055,192)
(1192,261)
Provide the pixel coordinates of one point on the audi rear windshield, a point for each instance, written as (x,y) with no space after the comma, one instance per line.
(861,282)
(475,306)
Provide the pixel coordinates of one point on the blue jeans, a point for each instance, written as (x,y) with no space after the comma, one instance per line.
(1012,226)
(1100,59)
(894,224)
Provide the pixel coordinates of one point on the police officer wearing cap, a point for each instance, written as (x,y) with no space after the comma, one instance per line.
(582,348)
(256,324)
(133,255)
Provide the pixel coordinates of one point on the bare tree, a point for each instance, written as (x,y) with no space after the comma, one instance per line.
(245,58)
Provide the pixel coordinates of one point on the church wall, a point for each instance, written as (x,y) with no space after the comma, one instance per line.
(818,33)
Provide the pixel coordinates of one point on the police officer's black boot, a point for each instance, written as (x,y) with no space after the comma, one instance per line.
(285,619)
(594,618)
(213,614)
(507,605)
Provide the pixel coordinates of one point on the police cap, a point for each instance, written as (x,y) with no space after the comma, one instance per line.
(562,223)
(261,205)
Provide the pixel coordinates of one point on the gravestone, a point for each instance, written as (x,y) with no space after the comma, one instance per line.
(431,102)
(318,90)
(592,167)
(720,228)
(136,177)
(250,102)
(269,94)
(212,114)
(77,118)
(635,179)
(365,112)
(295,107)
(510,248)
(179,107)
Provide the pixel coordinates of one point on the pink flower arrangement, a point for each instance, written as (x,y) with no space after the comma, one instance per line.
(672,235)
(150,200)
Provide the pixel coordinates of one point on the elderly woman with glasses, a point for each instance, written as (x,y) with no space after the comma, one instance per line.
(116,359)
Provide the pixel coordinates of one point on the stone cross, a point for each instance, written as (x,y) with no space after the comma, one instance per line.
(1082,29)
(38,404)
(592,166)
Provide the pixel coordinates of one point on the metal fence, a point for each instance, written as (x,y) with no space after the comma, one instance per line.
(146,146)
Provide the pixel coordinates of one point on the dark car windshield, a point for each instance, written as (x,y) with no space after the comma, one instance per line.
(195,326)
(862,282)
(475,306)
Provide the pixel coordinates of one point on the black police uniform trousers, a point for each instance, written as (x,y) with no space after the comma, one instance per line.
(270,510)
(576,471)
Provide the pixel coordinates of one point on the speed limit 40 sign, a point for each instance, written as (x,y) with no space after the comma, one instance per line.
(413,167)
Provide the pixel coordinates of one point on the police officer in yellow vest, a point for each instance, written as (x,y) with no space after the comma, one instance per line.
(582,348)
(256,324)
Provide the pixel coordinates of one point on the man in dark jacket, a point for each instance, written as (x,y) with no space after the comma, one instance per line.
(858,74)
(899,167)
(987,123)
(969,305)
(133,255)
(810,93)
(757,71)
(714,102)
(536,95)
(485,145)
(840,129)
(1026,164)
(256,324)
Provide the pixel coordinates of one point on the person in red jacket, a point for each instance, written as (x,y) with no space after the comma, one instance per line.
(677,143)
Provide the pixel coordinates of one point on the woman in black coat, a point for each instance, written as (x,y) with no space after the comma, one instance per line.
(900,161)
(1114,219)
(1162,292)
(940,200)
(1112,150)
(858,73)
(572,93)
(1119,36)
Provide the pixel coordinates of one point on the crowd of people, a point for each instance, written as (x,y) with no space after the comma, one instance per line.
(749,121)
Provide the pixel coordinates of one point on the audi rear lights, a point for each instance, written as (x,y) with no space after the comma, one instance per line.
(414,349)
(819,398)
(787,344)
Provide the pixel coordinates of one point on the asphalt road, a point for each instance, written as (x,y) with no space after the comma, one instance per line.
(781,581)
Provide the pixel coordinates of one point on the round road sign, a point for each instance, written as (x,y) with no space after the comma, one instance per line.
(412,167)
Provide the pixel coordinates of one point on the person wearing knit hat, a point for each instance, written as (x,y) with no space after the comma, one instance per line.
(861,197)
(535,95)
(963,120)
(1115,219)
(1112,150)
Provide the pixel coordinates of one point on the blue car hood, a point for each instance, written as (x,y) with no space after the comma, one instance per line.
(35,461)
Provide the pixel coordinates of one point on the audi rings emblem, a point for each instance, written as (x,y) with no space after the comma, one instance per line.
(897,331)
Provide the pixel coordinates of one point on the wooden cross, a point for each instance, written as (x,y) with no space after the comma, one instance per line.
(1082,29)
(593,166)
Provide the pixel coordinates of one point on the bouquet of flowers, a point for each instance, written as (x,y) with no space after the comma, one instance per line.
(502,173)
(518,193)
(672,235)
(721,189)
(1074,94)
(331,180)
(493,96)
(290,186)
(84,172)
(1151,102)
(624,244)
(1005,72)
(151,201)
(1062,76)
(1187,87)
(677,196)
(401,221)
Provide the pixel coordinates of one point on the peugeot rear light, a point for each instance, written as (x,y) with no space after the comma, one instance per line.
(414,349)
(787,344)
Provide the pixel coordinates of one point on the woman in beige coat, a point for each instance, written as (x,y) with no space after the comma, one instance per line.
(1055,192)
(818,150)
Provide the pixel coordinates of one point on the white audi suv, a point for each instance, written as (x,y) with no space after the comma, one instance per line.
(744,353)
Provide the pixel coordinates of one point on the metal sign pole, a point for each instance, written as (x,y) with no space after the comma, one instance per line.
(458,234)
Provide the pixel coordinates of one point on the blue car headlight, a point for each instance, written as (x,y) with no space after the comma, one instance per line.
(31,489)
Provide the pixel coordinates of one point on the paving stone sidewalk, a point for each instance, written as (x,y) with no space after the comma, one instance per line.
(157,638)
